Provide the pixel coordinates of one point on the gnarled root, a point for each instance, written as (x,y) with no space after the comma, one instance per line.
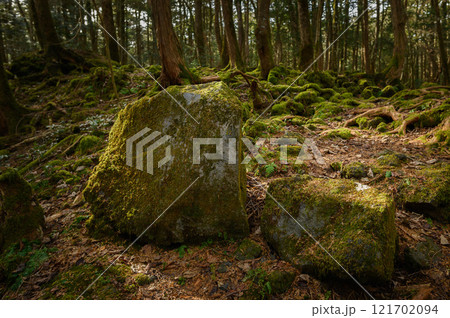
(387,111)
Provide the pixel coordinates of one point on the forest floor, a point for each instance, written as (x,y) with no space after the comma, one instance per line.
(67,259)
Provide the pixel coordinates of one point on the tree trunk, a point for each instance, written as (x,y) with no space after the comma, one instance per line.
(173,66)
(220,39)
(235,58)
(10,111)
(108,24)
(307,48)
(318,34)
(365,37)
(198,32)
(241,31)
(55,53)
(263,38)
(120,18)
(35,22)
(92,29)
(399,19)
(442,47)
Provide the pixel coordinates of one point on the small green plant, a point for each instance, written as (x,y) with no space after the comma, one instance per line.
(388,174)
(206,243)
(327,295)
(182,251)
(181,281)
(270,169)
(19,262)
(260,287)
(430,222)
(212,268)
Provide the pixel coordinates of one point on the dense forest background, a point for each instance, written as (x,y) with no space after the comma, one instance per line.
(299,33)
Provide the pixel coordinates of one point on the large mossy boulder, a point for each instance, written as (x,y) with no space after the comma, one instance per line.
(127,200)
(356,226)
(427,193)
(20,216)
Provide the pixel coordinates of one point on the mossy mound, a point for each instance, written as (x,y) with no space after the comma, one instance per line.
(20,216)
(308,97)
(391,159)
(354,170)
(288,106)
(280,281)
(88,144)
(129,200)
(356,227)
(428,193)
(248,249)
(277,74)
(339,133)
(388,91)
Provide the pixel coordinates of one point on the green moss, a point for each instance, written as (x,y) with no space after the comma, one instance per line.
(74,281)
(336,166)
(280,281)
(367,93)
(88,144)
(388,91)
(255,129)
(20,216)
(373,123)
(248,249)
(391,159)
(288,106)
(382,127)
(356,227)
(424,255)
(354,170)
(277,74)
(339,133)
(308,97)
(427,193)
(142,279)
(363,122)
(326,110)
(324,78)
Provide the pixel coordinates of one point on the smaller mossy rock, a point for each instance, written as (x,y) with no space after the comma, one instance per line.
(255,129)
(391,159)
(248,249)
(363,122)
(277,74)
(326,110)
(280,281)
(336,166)
(367,93)
(339,133)
(373,123)
(142,279)
(427,193)
(354,170)
(324,78)
(27,64)
(382,127)
(424,255)
(288,106)
(308,97)
(20,216)
(88,144)
(356,227)
(388,91)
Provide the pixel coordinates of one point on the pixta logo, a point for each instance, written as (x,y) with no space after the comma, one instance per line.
(147,145)
(144,143)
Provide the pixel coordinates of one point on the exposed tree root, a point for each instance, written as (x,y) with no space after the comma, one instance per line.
(387,111)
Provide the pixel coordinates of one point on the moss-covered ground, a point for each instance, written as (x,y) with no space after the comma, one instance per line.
(62,141)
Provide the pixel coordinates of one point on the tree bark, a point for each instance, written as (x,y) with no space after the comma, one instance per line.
(120,18)
(307,48)
(318,34)
(173,66)
(220,39)
(365,37)
(442,48)
(263,38)
(235,58)
(10,111)
(399,19)
(108,24)
(200,39)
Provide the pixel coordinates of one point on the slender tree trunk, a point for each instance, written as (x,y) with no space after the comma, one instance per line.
(35,22)
(10,111)
(173,66)
(307,48)
(200,39)
(220,39)
(241,31)
(318,34)
(108,24)
(120,18)
(399,19)
(263,38)
(442,47)
(92,30)
(365,37)
(235,58)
